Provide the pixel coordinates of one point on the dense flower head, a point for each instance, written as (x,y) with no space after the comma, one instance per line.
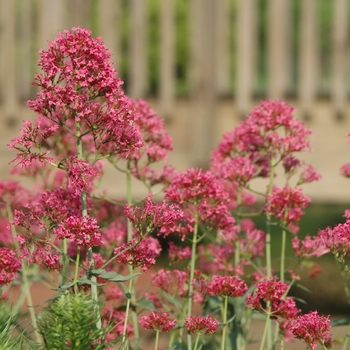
(82,230)
(177,253)
(269,132)
(173,282)
(273,291)
(157,140)
(157,321)
(238,169)
(152,216)
(10,264)
(227,286)
(286,204)
(313,329)
(337,240)
(80,98)
(252,244)
(80,173)
(201,324)
(201,189)
(143,254)
(309,247)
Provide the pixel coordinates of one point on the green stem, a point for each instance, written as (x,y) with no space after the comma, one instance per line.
(94,293)
(193,263)
(283,253)
(197,341)
(76,270)
(127,310)
(157,340)
(224,330)
(265,333)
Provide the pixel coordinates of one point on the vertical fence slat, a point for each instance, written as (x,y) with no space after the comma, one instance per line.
(167,59)
(308,58)
(25,44)
(9,93)
(246,32)
(278,46)
(222,48)
(203,74)
(77,14)
(110,28)
(340,57)
(138,49)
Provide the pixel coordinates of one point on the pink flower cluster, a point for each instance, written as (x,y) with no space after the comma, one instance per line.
(229,286)
(201,325)
(286,204)
(157,321)
(10,264)
(82,230)
(313,328)
(274,292)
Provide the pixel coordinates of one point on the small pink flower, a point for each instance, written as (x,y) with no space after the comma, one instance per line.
(142,255)
(157,321)
(308,175)
(201,325)
(286,204)
(82,230)
(313,328)
(227,286)
(345,170)
(177,253)
(10,264)
(173,282)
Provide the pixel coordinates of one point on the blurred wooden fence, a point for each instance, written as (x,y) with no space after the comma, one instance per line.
(230,54)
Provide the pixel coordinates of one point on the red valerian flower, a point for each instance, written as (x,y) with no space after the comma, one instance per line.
(199,188)
(286,204)
(141,255)
(10,264)
(231,286)
(173,282)
(82,230)
(158,321)
(345,170)
(152,216)
(273,291)
(201,325)
(313,328)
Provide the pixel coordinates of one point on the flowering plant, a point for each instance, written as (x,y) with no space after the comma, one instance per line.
(91,249)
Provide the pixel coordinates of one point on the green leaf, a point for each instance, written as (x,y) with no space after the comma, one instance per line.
(146,304)
(85,280)
(341,321)
(112,276)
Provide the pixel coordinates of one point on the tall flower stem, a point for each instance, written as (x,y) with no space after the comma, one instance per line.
(192,266)
(283,253)
(266,328)
(157,340)
(132,282)
(94,293)
(196,341)
(224,321)
(25,268)
(268,255)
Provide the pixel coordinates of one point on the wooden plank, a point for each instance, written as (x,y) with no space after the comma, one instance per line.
(9,93)
(340,57)
(138,82)
(26,46)
(278,46)
(77,14)
(222,48)
(109,27)
(246,36)
(204,99)
(308,58)
(167,59)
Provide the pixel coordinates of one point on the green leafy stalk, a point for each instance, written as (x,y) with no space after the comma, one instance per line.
(224,330)
(25,269)
(193,263)
(94,293)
